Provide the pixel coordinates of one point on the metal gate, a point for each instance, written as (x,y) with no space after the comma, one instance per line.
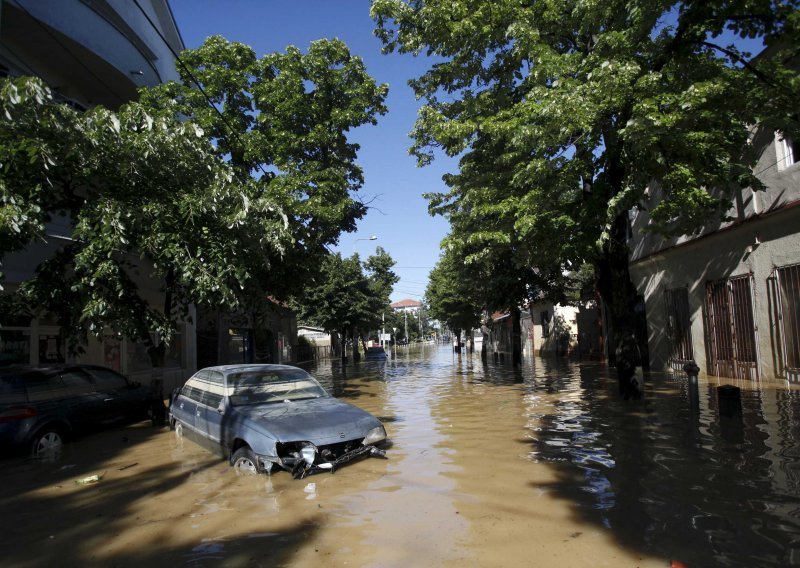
(679,328)
(788,314)
(731,330)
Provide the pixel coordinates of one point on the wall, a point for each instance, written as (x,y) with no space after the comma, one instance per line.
(762,235)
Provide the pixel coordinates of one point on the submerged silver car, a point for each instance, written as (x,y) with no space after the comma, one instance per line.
(262,416)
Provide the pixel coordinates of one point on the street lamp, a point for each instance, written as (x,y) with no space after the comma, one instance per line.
(370,238)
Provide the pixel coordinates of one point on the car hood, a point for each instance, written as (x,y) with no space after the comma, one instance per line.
(318,420)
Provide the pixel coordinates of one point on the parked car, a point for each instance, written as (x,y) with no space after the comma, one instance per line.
(263,416)
(41,407)
(375,353)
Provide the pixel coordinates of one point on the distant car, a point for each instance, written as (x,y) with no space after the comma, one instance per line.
(375,353)
(266,416)
(42,407)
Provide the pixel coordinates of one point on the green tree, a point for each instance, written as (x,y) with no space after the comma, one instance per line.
(283,119)
(381,280)
(336,297)
(565,112)
(144,196)
(348,297)
(451,296)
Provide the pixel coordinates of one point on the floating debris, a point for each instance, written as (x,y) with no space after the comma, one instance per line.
(90,479)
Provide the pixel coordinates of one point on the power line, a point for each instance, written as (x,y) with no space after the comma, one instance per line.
(196,82)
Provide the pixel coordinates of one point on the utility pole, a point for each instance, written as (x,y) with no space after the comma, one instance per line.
(405,321)
(383,329)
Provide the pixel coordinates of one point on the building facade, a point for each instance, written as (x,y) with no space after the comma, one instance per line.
(728,298)
(89,52)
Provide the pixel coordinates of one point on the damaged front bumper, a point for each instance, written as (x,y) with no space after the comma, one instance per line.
(302,468)
(308,459)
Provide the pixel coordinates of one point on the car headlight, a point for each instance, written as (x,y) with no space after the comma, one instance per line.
(309,453)
(377,434)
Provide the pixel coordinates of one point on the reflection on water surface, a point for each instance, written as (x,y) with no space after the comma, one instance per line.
(673,475)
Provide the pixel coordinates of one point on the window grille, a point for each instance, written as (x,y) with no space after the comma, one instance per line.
(679,328)
(730,329)
(788,319)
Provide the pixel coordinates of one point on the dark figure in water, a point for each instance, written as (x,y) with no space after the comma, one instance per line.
(629,365)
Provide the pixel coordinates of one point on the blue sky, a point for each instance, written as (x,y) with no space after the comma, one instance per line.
(393,183)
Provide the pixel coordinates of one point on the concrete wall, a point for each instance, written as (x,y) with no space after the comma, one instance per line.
(93,52)
(764,234)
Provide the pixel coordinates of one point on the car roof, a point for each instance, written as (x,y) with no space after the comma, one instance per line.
(244,367)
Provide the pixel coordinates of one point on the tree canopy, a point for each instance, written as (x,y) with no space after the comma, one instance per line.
(565,112)
(348,295)
(142,196)
(283,120)
(450,295)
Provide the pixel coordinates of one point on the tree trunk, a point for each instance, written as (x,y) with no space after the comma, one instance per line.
(619,295)
(516,336)
(158,352)
(343,345)
(614,279)
(457,337)
(356,354)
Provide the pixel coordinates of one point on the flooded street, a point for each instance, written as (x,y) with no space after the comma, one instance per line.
(544,466)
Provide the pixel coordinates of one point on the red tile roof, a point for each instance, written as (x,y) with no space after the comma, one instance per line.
(406,303)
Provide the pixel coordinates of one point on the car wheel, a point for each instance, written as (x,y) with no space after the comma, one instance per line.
(47,443)
(245,461)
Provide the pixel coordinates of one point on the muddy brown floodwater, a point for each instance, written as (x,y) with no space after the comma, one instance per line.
(543,466)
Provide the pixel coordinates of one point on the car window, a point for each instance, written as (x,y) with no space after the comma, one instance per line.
(106,379)
(76,382)
(202,375)
(275,385)
(212,399)
(45,387)
(12,390)
(191,391)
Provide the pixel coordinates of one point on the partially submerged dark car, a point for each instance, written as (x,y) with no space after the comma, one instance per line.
(376,353)
(263,416)
(41,407)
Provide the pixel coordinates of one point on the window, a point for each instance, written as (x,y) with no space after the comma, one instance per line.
(51,349)
(76,382)
(212,399)
(192,392)
(788,151)
(730,328)
(45,387)
(15,347)
(108,380)
(787,314)
(679,327)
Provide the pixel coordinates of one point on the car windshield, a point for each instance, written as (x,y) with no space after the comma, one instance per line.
(255,387)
